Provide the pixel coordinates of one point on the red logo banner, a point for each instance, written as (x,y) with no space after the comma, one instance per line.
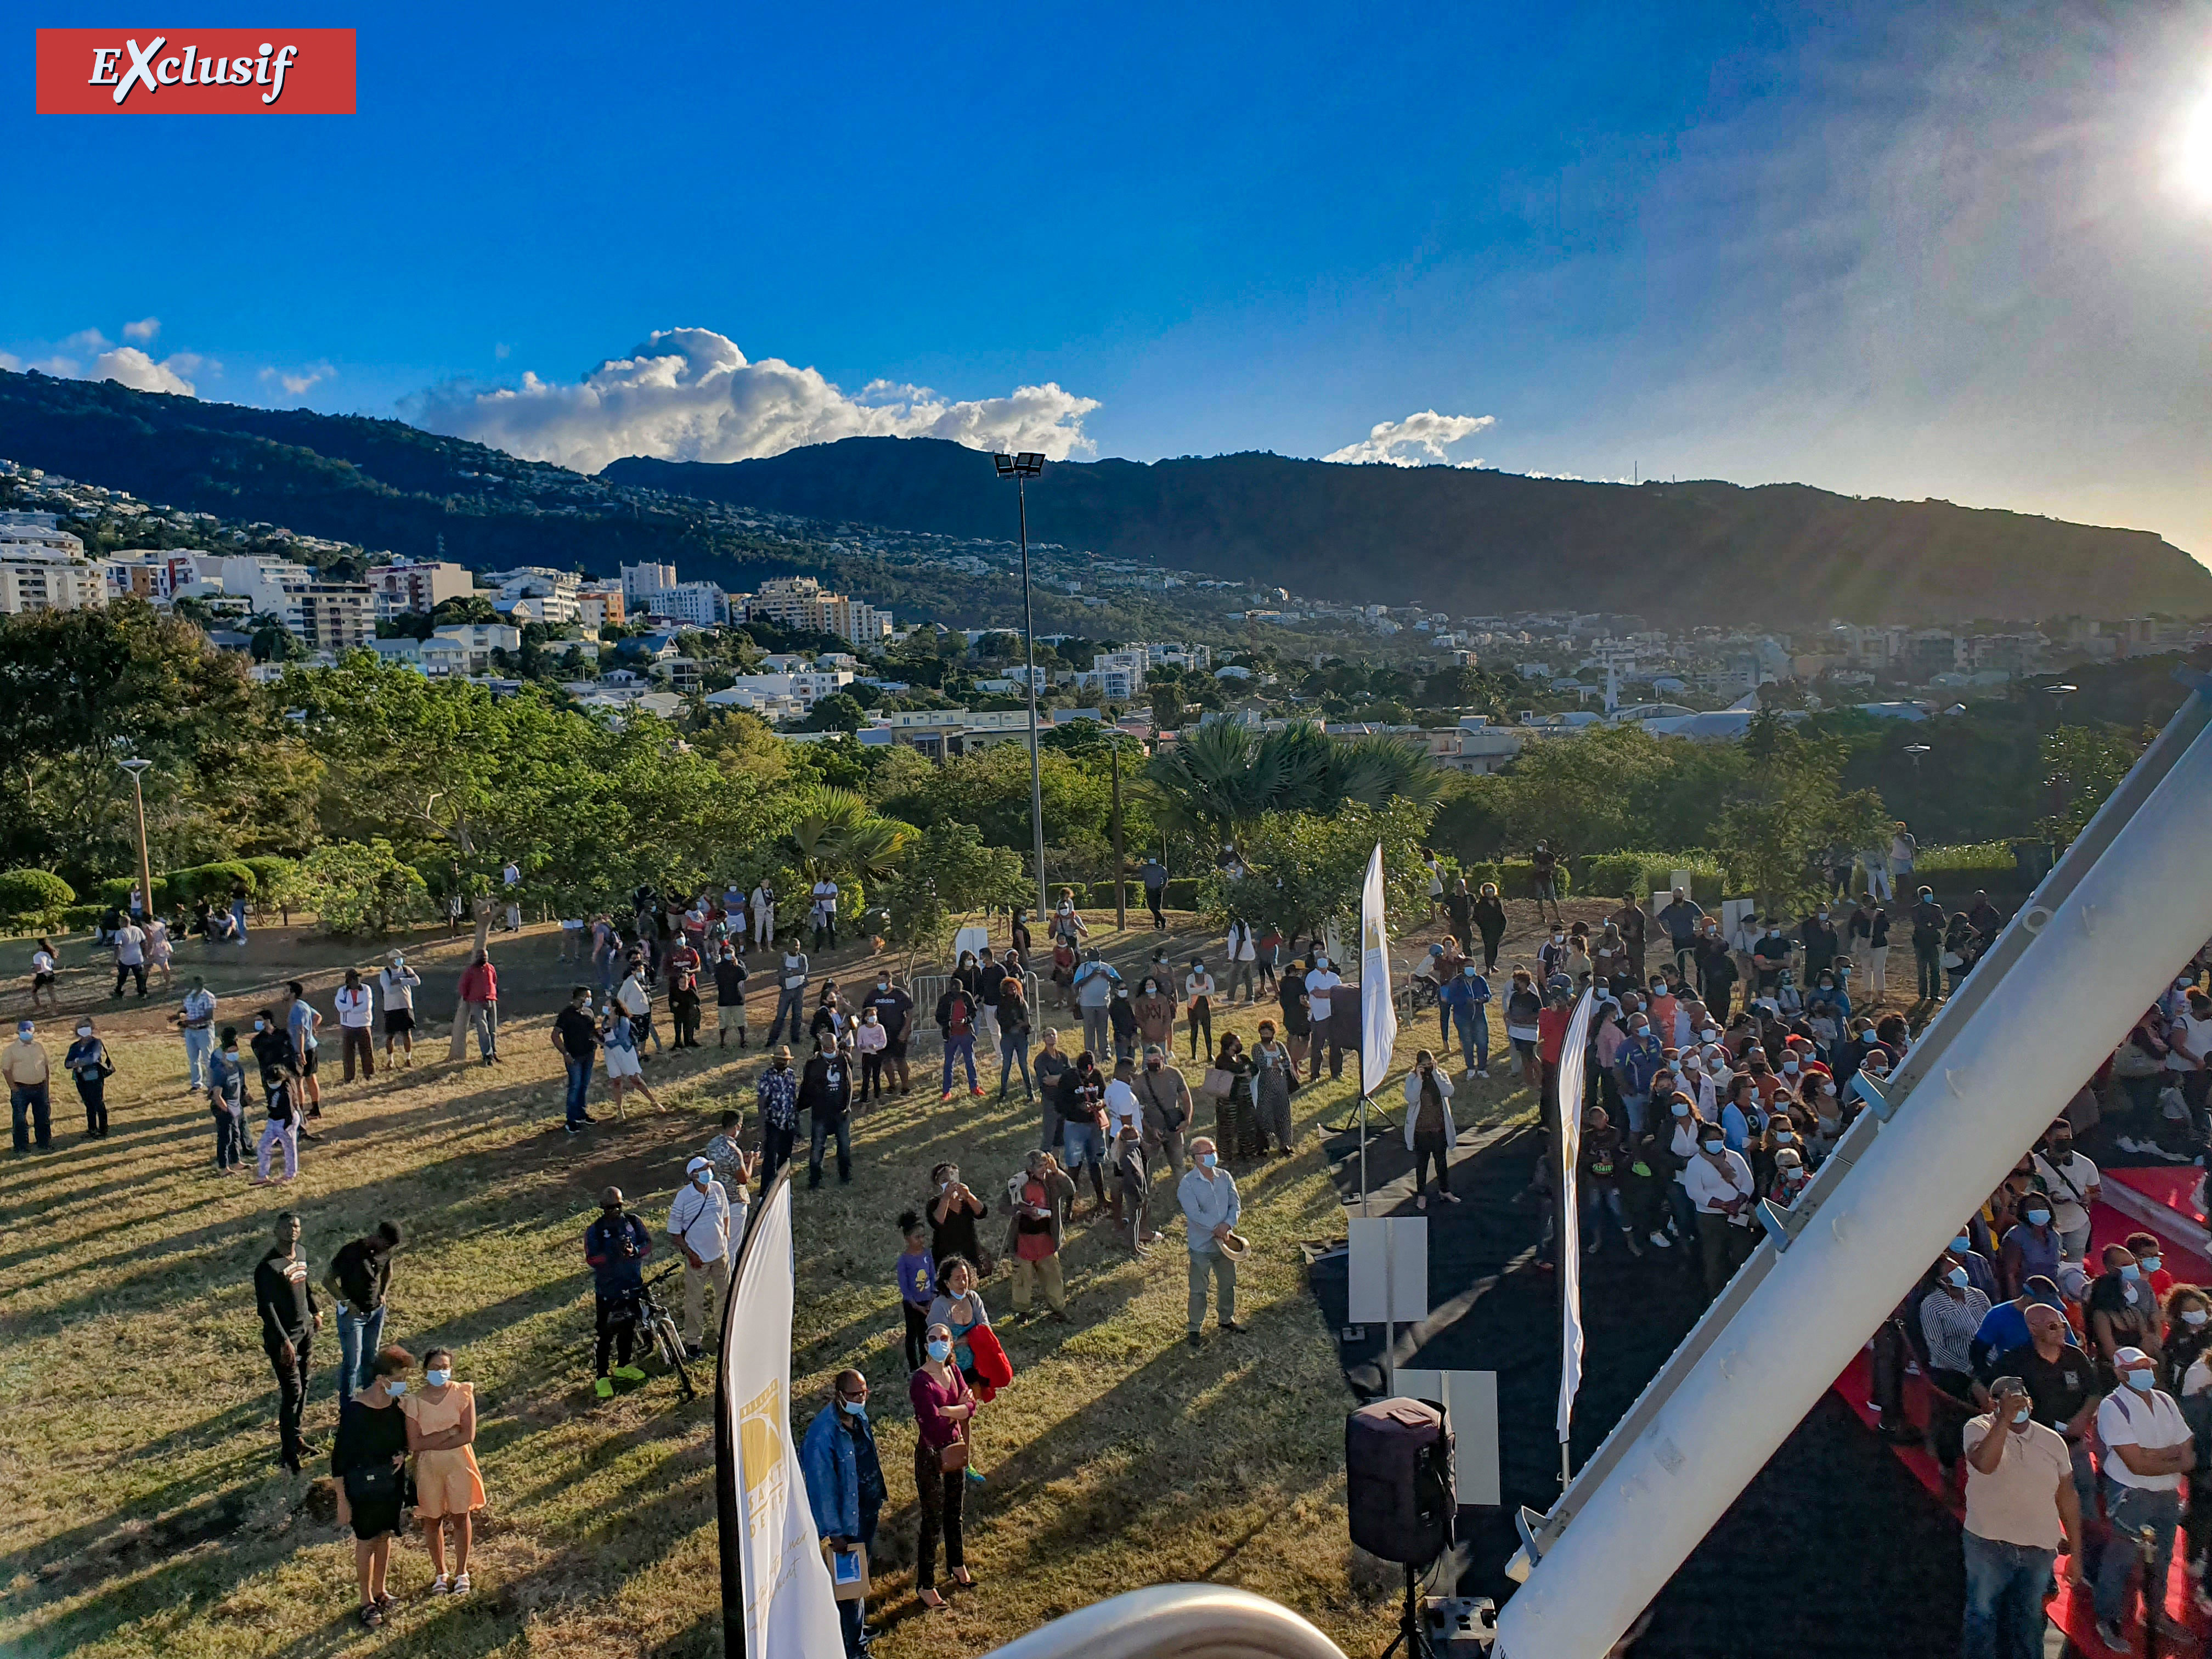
(195,71)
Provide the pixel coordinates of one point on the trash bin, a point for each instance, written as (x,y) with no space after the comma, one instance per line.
(2033,860)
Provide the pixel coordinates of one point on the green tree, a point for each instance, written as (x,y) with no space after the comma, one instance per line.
(358,888)
(1223,778)
(1305,868)
(839,712)
(946,874)
(2081,765)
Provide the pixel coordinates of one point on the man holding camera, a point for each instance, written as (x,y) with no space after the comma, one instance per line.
(616,1246)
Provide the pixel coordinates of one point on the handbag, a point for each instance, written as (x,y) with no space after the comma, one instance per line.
(1217,1083)
(953,1457)
(372,1483)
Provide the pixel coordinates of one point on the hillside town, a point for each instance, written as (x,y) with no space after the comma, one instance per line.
(646,641)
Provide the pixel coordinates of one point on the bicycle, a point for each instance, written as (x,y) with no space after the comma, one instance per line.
(659,1323)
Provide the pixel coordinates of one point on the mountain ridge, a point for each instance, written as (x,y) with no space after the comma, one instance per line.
(1483,541)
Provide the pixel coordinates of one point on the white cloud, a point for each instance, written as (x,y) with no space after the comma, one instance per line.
(86,339)
(295,382)
(143,331)
(11,362)
(61,367)
(135,369)
(690,394)
(1418,441)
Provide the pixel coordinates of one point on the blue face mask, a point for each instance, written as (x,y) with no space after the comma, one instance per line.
(395,1386)
(2141,1381)
(940,1351)
(2131,1271)
(437,1378)
(2039,1217)
(2150,1263)
(2021,1413)
(1208,1159)
(855,1408)
(1958,1278)
(1961,1244)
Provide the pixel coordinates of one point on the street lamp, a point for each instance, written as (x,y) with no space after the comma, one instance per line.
(1916,750)
(137,768)
(1021,468)
(2058,695)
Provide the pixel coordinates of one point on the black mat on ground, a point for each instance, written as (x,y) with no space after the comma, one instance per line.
(1834,1549)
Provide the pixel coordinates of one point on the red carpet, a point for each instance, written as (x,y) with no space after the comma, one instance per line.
(2173,1185)
(2071,1613)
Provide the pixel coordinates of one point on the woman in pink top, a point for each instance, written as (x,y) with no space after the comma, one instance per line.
(942,1409)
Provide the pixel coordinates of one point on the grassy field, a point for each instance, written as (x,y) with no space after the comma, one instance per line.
(146,1514)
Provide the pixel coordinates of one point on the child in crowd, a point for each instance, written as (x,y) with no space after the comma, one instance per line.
(917,1282)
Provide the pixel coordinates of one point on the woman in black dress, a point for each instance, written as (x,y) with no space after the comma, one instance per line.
(369,1458)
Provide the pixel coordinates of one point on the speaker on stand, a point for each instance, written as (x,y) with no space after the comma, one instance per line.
(1400,1496)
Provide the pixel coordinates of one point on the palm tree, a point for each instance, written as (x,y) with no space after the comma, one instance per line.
(839,834)
(1224,776)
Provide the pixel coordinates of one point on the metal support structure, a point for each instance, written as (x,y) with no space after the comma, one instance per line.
(2101,934)
(1120,866)
(137,768)
(1021,469)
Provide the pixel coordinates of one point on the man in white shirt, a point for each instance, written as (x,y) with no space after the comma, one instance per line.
(356,1007)
(511,879)
(1719,1182)
(1322,980)
(129,955)
(397,980)
(2071,1180)
(763,914)
(2148,1449)
(1123,1106)
(197,1019)
(699,1222)
(2188,1038)
(2021,1506)
(825,915)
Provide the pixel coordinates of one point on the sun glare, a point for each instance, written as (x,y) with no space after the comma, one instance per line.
(2193,154)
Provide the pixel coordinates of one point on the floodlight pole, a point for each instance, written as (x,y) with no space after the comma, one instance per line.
(137,768)
(1022,468)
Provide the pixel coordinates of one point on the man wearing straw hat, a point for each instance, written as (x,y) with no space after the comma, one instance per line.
(1210,1207)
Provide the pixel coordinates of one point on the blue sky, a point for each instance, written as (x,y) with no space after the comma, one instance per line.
(1907,251)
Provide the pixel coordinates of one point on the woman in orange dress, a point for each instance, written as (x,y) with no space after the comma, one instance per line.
(441,1427)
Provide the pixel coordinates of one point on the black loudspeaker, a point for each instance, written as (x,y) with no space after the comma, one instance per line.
(1398,1480)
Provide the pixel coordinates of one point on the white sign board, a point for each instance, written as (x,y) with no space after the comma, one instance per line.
(972,937)
(1389,1269)
(1734,910)
(1470,1400)
(1678,879)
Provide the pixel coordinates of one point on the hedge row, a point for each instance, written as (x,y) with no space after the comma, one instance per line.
(1622,875)
(263,876)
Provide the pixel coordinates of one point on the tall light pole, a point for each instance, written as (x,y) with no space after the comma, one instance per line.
(137,768)
(1021,468)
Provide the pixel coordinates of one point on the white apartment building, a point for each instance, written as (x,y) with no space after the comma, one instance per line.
(335,616)
(433,657)
(798,602)
(639,582)
(809,686)
(479,639)
(695,604)
(552,593)
(40,581)
(420,585)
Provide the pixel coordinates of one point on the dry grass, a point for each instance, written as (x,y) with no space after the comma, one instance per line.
(146,1516)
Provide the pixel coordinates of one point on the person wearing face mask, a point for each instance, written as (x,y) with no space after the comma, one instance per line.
(943,1411)
(441,1432)
(272,1053)
(1950,1315)
(1321,984)
(894,1007)
(2148,1449)
(368,1457)
(1781,1134)
(2071,1180)
(1769,957)
(1789,1178)
(2147,1250)
(1718,1184)
(1551,955)
(775,1095)
(616,1248)
(89,1067)
(1154,1008)
(226,1101)
(2021,1508)
(1210,1208)
(1429,1134)
(699,1222)
(1164,1096)
(2187,1335)
(1981,1272)
(1820,940)
(1274,1080)
(2030,1247)
(2121,1310)
(729,995)
(1465,1000)
(826,1092)
(1716,967)
(285,1301)
(1636,1065)
(29,1076)
(845,1487)
(1676,1143)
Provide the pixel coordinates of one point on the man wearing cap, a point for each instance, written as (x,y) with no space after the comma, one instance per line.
(2019,1506)
(30,1075)
(1211,1207)
(2148,1449)
(699,1222)
(616,1246)
(2060,1378)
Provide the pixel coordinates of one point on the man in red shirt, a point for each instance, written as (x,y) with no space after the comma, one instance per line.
(479,1008)
(1550,1040)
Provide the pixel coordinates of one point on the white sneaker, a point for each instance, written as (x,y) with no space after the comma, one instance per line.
(1660,1240)
(461,1583)
(2128,1144)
